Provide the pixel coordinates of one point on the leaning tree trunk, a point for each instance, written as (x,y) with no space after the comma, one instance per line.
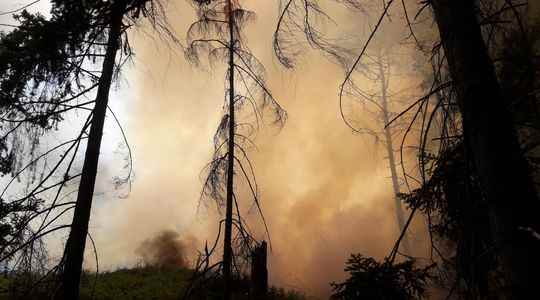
(74,251)
(391,159)
(493,146)
(227,244)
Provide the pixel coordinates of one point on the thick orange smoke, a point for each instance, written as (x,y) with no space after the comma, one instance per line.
(326,192)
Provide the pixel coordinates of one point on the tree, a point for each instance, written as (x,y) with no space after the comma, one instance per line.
(390,148)
(297,21)
(378,102)
(74,252)
(78,34)
(218,33)
(41,77)
(373,280)
(492,142)
(498,168)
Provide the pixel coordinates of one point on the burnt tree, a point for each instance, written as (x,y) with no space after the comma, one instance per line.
(259,271)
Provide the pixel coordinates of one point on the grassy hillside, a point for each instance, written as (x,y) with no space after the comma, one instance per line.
(134,284)
(147,283)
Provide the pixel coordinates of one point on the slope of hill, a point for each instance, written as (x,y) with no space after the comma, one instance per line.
(141,283)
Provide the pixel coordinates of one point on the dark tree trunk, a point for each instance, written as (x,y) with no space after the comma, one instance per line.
(259,272)
(494,148)
(74,251)
(227,246)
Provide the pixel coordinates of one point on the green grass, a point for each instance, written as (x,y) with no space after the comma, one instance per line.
(4,287)
(134,284)
(143,283)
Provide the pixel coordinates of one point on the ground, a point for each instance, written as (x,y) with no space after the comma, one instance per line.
(141,283)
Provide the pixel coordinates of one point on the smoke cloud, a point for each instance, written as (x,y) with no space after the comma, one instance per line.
(326,192)
(166,250)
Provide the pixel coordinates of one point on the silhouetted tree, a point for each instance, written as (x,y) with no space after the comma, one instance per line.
(370,279)
(493,145)
(495,170)
(44,75)
(453,199)
(218,33)
(76,242)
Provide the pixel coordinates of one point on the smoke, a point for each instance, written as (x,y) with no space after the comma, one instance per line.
(326,192)
(165,250)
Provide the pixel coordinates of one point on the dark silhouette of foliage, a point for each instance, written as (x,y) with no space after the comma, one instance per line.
(452,198)
(13,221)
(44,64)
(492,144)
(458,223)
(370,279)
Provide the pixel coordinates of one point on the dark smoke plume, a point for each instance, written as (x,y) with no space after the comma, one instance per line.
(165,250)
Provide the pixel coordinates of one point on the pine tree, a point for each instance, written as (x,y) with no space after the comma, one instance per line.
(44,75)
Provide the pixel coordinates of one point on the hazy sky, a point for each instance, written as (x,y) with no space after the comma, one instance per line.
(325,191)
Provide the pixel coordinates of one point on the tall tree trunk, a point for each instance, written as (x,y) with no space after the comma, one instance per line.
(74,251)
(227,247)
(493,145)
(391,159)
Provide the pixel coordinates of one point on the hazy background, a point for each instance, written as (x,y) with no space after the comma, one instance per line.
(326,192)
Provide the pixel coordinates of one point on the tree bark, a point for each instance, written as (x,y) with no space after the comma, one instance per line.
(493,144)
(74,251)
(227,246)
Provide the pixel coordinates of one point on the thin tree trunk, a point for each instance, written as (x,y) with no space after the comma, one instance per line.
(391,159)
(74,251)
(492,141)
(227,247)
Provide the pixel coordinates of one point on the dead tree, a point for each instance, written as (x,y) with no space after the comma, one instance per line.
(297,22)
(218,33)
(259,272)
(377,101)
(390,149)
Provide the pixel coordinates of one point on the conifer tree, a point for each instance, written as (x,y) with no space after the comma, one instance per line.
(44,75)
(218,33)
